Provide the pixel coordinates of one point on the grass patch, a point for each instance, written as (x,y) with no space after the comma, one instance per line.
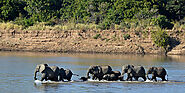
(97,36)
(10,26)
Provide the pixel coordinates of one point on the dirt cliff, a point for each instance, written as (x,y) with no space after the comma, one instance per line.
(82,41)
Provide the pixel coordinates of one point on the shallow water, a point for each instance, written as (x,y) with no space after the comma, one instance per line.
(17,68)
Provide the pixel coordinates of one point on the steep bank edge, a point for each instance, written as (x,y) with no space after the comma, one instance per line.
(114,41)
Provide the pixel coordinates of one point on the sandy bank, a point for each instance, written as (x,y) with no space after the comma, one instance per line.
(107,41)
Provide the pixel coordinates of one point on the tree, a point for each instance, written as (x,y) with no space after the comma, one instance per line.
(10,9)
(175,9)
(43,10)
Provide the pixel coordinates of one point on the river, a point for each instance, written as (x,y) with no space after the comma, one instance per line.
(17,68)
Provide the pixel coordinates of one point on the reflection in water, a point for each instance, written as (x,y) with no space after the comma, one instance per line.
(46,87)
(139,58)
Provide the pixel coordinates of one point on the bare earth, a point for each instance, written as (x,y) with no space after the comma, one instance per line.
(80,41)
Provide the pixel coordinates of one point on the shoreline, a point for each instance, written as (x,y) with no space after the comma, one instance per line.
(133,57)
(91,42)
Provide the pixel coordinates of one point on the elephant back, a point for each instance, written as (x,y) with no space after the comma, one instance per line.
(49,71)
(68,73)
(117,73)
(62,73)
(161,71)
(139,70)
(106,69)
(55,69)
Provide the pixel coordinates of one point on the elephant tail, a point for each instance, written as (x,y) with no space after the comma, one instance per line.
(76,74)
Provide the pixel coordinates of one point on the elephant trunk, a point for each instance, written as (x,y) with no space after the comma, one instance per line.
(35,74)
(88,73)
(147,76)
(121,77)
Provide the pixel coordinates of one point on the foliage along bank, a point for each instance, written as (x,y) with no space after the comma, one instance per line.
(103,13)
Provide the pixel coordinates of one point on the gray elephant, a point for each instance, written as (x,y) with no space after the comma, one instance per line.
(97,71)
(157,72)
(133,72)
(65,74)
(48,73)
(114,76)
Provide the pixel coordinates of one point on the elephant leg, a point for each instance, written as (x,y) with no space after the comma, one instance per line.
(121,78)
(136,78)
(69,79)
(130,79)
(154,78)
(163,78)
(53,79)
(44,76)
(93,77)
(144,78)
(99,78)
(56,79)
(61,79)
(128,76)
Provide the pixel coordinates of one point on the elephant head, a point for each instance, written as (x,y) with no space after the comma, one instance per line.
(133,72)
(151,70)
(39,68)
(126,69)
(66,74)
(93,70)
(157,72)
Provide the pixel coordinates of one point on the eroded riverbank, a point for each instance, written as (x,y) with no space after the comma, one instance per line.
(81,41)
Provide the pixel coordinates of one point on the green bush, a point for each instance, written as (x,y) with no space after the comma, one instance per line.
(105,13)
(126,25)
(163,22)
(160,38)
(105,24)
(24,22)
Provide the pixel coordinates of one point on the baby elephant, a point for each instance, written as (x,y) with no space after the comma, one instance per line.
(113,76)
(65,74)
(157,72)
(83,78)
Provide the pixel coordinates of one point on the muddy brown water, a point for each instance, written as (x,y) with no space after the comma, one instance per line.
(17,68)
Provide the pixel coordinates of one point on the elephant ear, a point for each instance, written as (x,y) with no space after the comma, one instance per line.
(42,68)
(99,69)
(129,70)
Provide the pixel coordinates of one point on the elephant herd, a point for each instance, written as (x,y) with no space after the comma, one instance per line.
(53,73)
(98,72)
